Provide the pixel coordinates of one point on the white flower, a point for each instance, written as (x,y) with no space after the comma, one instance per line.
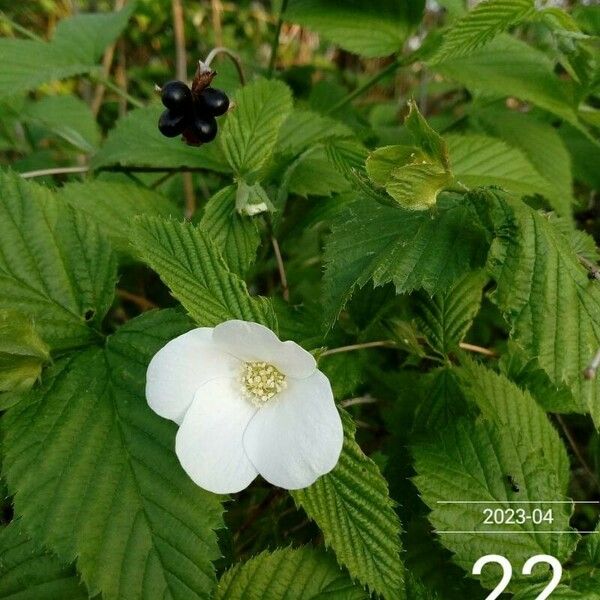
(247,404)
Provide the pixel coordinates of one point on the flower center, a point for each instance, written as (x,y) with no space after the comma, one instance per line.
(261,381)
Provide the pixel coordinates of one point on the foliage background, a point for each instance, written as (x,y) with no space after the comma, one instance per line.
(455,335)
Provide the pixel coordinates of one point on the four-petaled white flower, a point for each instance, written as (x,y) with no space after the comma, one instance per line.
(247,404)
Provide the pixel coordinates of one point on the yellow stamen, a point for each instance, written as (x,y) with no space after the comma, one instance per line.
(261,381)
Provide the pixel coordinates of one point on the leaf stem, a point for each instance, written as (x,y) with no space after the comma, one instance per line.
(393,66)
(22,30)
(116,89)
(478,349)
(353,347)
(142,303)
(281,268)
(54,171)
(275,41)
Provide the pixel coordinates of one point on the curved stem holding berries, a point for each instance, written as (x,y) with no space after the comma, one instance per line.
(205,65)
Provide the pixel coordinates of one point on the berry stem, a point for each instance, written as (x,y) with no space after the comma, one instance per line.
(275,42)
(227,52)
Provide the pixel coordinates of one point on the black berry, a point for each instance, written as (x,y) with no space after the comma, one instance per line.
(213,102)
(171,125)
(176,96)
(204,128)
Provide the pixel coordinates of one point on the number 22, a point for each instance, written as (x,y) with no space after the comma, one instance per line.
(527,569)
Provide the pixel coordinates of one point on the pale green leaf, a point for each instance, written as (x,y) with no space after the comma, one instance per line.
(288,574)
(352,507)
(375,28)
(509,67)
(479,160)
(28,572)
(189,262)
(136,141)
(22,352)
(55,267)
(113,207)
(446,318)
(412,249)
(416,186)
(96,479)
(484,22)
(77,45)
(425,137)
(236,236)
(252,127)
(382,161)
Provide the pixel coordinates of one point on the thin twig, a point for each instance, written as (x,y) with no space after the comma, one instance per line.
(107,61)
(181,71)
(590,371)
(353,347)
(478,349)
(216,10)
(54,171)
(142,303)
(576,451)
(275,41)
(281,268)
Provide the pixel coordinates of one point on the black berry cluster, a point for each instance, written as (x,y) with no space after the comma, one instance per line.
(191,114)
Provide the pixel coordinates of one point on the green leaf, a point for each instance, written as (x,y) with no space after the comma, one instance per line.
(67,117)
(136,141)
(409,248)
(28,572)
(77,44)
(237,237)
(191,265)
(442,401)
(543,147)
(252,128)
(303,129)
(518,415)
(288,574)
(509,67)
(483,23)
(471,462)
(314,174)
(113,207)
(562,592)
(22,352)
(547,297)
(376,28)
(479,160)
(352,507)
(95,477)
(55,267)
(446,318)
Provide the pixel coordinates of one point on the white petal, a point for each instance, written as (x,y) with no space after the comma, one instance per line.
(180,367)
(209,442)
(251,341)
(298,436)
